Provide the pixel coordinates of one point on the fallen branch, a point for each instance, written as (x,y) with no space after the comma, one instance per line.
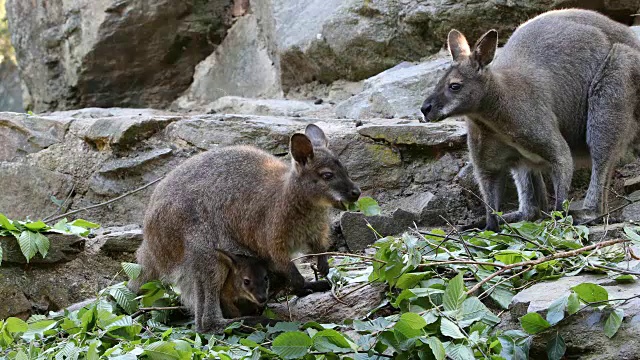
(449,262)
(106,202)
(161,308)
(541,260)
(622,271)
(340,254)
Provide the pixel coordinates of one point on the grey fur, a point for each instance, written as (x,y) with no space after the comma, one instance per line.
(244,201)
(566,84)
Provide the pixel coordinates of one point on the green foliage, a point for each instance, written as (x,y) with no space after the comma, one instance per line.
(31,239)
(367,205)
(430,311)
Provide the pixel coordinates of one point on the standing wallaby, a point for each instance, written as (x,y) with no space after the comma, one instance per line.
(566,83)
(245,201)
(246,289)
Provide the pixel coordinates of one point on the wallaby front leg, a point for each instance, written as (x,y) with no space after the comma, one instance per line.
(492,187)
(322,261)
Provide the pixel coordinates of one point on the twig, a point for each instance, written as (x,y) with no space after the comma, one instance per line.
(449,262)
(623,271)
(73,187)
(106,202)
(629,202)
(541,260)
(161,308)
(340,254)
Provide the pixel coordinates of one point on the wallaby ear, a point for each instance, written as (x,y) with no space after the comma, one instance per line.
(458,45)
(301,148)
(227,258)
(485,48)
(316,135)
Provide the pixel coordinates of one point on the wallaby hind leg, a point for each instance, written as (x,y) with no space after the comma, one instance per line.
(611,123)
(148,273)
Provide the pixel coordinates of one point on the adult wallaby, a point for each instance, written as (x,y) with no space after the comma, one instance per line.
(566,83)
(245,201)
(246,289)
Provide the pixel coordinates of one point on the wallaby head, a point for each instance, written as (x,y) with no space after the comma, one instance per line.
(463,88)
(317,172)
(249,277)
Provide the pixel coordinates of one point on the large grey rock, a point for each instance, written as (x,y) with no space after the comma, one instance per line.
(583,332)
(10,87)
(126,131)
(636,29)
(449,134)
(27,190)
(395,93)
(269,107)
(245,64)
(328,40)
(22,134)
(63,248)
(116,240)
(79,53)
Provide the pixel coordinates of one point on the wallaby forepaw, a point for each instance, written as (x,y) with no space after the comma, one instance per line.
(318,286)
(323,266)
(303,292)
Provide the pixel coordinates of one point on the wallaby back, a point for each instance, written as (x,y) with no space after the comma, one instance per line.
(244,201)
(564,84)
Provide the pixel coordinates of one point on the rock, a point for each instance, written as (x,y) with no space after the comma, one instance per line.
(323,307)
(133,165)
(10,87)
(358,236)
(631,185)
(22,134)
(27,190)
(63,248)
(268,107)
(636,29)
(583,332)
(395,93)
(447,134)
(118,240)
(245,64)
(14,303)
(83,53)
(125,132)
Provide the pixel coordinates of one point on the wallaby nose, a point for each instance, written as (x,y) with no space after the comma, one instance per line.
(426,108)
(261,299)
(355,193)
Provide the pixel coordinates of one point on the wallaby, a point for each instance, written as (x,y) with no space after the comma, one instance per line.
(566,83)
(244,201)
(246,289)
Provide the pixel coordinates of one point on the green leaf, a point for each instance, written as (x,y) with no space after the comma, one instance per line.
(330,341)
(15,325)
(556,348)
(35,226)
(533,323)
(38,328)
(632,235)
(291,345)
(556,310)
(21,356)
(6,223)
(450,329)
(27,241)
(92,353)
(410,324)
(573,304)
(613,322)
(42,244)
(161,350)
(436,347)
(454,294)
(474,310)
(132,270)
(459,352)
(368,206)
(508,257)
(589,292)
(84,224)
(125,298)
(410,280)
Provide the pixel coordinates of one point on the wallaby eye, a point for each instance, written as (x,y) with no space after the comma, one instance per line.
(327,175)
(247,282)
(455,86)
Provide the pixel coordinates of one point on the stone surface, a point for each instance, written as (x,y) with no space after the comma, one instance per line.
(22,134)
(636,29)
(10,87)
(269,107)
(397,92)
(449,134)
(583,332)
(124,132)
(103,53)
(631,185)
(125,239)
(323,308)
(63,248)
(245,63)
(26,190)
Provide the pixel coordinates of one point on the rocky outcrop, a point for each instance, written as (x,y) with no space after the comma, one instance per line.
(583,332)
(10,87)
(79,53)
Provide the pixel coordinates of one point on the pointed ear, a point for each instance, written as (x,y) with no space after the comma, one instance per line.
(485,48)
(301,148)
(316,135)
(226,258)
(458,45)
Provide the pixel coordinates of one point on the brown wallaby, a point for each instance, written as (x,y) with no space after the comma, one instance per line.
(244,201)
(567,83)
(246,289)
